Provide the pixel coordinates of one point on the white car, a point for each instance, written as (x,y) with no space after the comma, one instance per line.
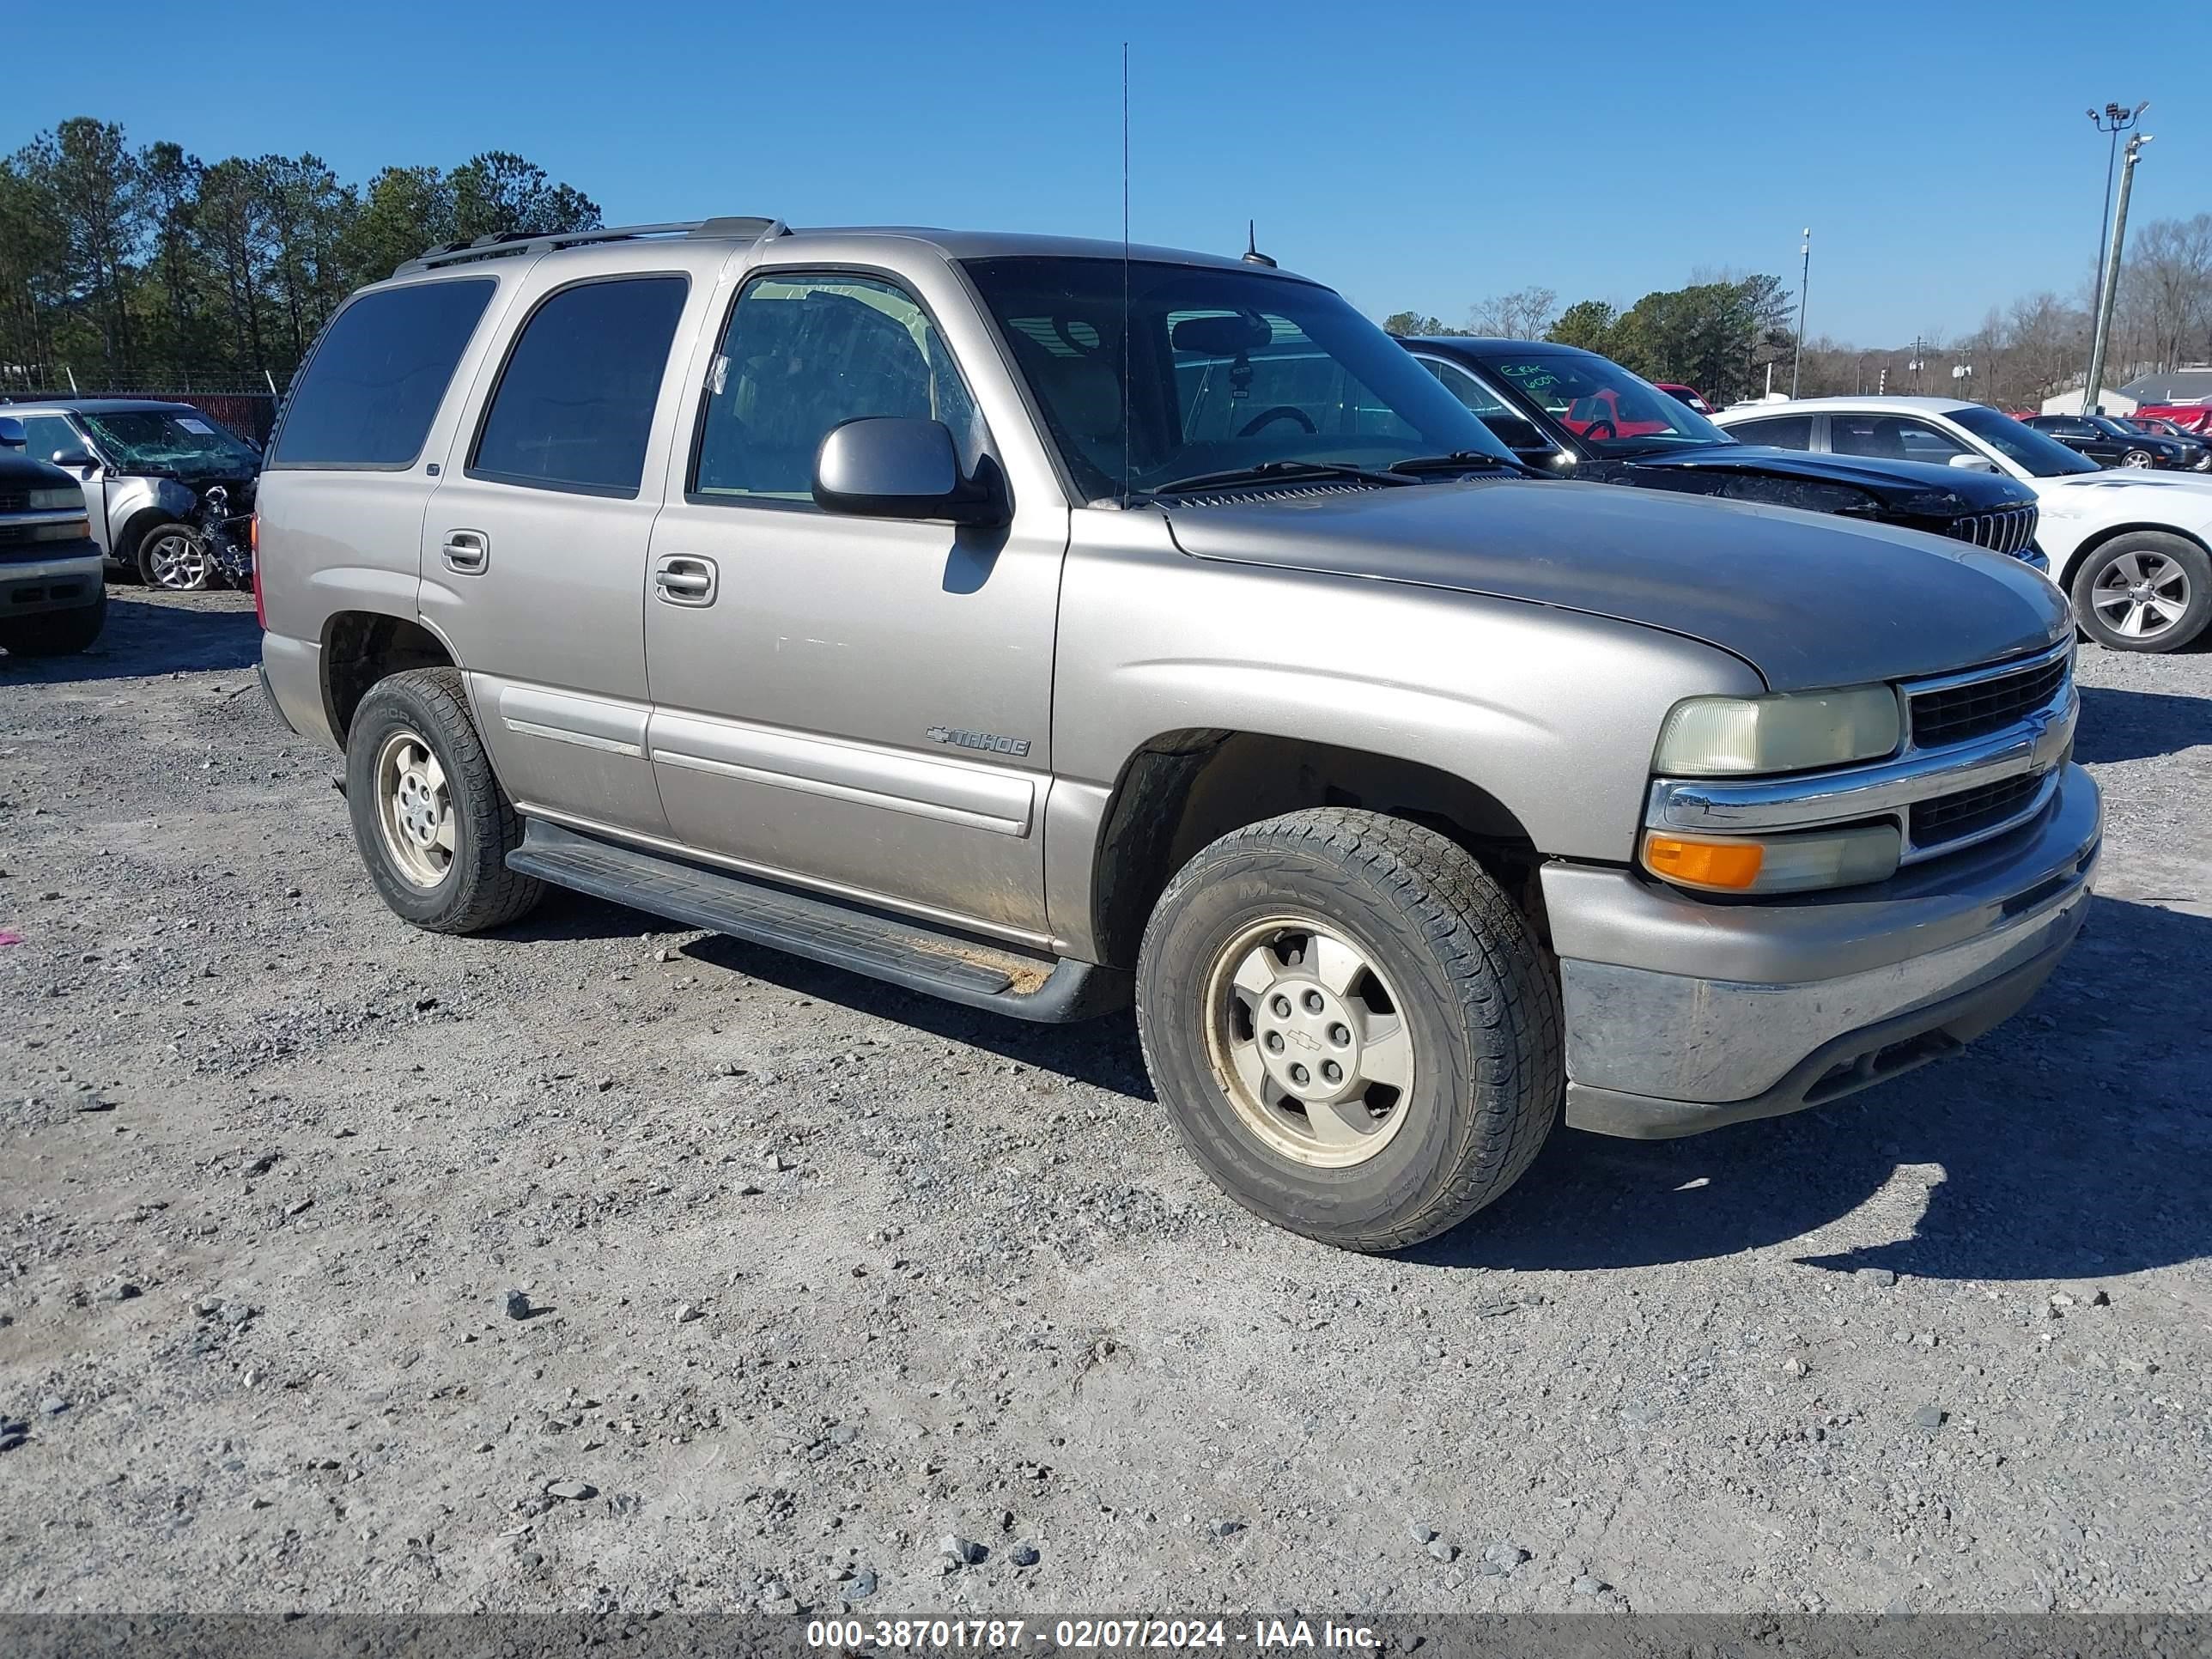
(2133,547)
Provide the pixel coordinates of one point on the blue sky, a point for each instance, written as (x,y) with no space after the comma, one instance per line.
(1411,156)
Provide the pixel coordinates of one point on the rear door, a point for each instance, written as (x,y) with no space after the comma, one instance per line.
(534,549)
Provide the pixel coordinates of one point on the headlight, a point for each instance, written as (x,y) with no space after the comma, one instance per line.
(1793,732)
(1774,864)
(55,501)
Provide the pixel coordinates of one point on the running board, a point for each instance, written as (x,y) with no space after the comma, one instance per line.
(957,967)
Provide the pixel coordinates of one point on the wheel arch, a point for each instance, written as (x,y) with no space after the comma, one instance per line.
(1184,789)
(2102,538)
(360,648)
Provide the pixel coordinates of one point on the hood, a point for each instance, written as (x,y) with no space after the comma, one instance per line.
(1807,599)
(1913,487)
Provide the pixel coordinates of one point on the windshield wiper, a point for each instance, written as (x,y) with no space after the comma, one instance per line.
(1465,460)
(1278,472)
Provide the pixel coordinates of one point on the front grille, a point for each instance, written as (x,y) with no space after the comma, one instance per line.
(1956,818)
(1956,713)
(2010,530)
(15,501)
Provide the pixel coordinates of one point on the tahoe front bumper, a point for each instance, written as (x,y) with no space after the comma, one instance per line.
(1685,1014)
(64,580)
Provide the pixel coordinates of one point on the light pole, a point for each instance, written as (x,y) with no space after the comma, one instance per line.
(2092,390)
(2114,120)
(1797,357)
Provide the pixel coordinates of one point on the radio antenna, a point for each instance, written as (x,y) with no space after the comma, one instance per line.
(1125,276)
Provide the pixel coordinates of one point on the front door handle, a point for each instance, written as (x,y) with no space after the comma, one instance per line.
(683,579)
(467,550)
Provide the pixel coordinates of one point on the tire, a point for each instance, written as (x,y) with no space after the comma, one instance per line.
(172,556)
(54,633)
(2132,568)
(415,725)
(2138,458)
(1456,973)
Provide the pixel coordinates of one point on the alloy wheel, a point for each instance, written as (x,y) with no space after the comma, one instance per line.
(2141,595)
(1310,1040)
(178,560)
(414,808)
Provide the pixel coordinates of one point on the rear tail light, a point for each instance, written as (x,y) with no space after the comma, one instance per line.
(253,547)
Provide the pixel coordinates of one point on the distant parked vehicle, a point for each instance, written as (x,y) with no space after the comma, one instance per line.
(2107,442)
(51,599)
(1575,414)
(168,489)
(2198,456)
(1685,394)
(2133,548)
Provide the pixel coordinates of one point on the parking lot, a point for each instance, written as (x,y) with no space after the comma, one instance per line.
(819,1275)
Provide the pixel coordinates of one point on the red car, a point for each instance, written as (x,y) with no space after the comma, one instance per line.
(2189,417)
(1687,394)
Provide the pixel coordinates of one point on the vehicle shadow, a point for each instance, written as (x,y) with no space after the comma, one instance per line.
(145,636)
(2125,725)
(2074,1141)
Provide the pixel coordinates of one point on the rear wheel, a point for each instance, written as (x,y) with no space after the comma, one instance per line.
(431,822)
(2144,591)
(1352,1026)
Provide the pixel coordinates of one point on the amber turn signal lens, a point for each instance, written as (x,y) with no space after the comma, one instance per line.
(1729,866)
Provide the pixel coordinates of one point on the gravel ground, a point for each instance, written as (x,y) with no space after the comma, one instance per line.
(821,1281)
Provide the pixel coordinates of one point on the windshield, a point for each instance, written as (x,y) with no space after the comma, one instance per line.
(1228,369)
(179,441)
(1611,410)
(2041,457)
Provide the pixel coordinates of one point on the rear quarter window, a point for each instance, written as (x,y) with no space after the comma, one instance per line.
(369,394)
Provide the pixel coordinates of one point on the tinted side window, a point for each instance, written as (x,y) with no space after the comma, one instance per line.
(1783,432)
(575,402)
(804,354)
(1464,386)
(369,394)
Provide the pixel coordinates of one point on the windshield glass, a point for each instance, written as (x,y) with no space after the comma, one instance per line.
(1613,411)
(1227,369)
(180,441)
(2042,457)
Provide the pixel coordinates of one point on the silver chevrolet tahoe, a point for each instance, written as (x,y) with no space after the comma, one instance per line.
(1046,625)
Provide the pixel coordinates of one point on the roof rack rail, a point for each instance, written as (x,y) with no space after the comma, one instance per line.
(519,241)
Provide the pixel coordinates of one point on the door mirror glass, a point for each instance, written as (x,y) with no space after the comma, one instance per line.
(11,433)
(897,466)
(1974,462)
(74,460)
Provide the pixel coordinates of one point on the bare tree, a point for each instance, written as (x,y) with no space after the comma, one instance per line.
(2166,291)
(1523,314)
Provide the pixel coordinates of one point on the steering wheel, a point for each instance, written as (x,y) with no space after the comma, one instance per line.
(1279,412)
(1592,433)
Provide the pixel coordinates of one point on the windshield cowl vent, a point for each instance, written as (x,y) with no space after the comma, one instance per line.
(1273,492)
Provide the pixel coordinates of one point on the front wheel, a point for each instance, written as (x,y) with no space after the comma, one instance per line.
(175,556)
(1352,1025)
(2137,457)
(431,822)
(2144,591)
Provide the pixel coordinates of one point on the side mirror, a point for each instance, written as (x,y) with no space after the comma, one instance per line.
(74,460)
(896,466)
(11,433)
(1974,462)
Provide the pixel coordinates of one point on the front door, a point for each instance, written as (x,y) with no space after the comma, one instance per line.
(859,704)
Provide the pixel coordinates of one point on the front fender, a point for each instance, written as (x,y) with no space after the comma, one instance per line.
(136,505)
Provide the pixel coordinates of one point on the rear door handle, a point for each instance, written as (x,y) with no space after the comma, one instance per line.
(683,579)
(467,550)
